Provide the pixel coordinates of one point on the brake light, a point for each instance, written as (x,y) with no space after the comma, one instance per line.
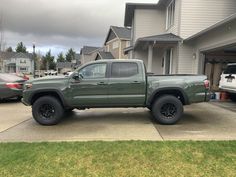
(207,84)
(14,85)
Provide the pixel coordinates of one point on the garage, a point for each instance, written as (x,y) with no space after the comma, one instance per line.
(215,63)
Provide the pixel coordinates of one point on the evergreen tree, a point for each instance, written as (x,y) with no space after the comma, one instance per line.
(60,58)
(21,48)
(70,55)
(48,61)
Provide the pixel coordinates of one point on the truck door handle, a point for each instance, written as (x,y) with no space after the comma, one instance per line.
(101,83)
(136,82)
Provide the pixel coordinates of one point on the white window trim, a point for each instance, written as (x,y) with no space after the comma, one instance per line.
(172,15)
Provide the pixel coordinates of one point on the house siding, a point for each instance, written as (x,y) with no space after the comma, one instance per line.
(196,15)
(185,59)
(158,54)
(122,46)
(115,52)
(219,37)
(148,22)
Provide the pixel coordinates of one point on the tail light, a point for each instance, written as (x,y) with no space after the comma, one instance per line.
(207,84)
(14,85)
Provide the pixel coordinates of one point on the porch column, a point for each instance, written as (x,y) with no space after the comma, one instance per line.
(150,56)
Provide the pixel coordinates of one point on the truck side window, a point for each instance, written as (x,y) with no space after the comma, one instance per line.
(94,71)
(124,69)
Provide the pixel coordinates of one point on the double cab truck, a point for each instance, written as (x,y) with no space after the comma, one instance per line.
(114,84)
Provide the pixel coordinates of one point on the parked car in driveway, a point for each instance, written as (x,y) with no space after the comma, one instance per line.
(228,81)
(114,83)
(11,86)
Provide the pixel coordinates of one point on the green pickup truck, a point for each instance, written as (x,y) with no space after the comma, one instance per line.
(114,83)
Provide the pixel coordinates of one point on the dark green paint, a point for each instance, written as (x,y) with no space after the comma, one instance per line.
(136,91)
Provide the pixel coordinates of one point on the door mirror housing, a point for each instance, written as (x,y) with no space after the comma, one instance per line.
(76,76)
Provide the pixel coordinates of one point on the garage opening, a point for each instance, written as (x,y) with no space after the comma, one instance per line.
(215,63)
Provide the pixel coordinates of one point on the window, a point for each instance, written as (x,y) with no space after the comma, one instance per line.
(124,70)
(127,43)
(170,14)
(94,71)
(231,69)
(23,69)
(22,61)
(115,45)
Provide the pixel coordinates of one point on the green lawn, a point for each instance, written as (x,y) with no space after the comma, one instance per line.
(135,158)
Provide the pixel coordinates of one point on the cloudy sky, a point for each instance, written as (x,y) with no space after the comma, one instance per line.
(60,24)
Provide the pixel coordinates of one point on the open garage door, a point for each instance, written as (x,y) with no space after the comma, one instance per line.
(215,63)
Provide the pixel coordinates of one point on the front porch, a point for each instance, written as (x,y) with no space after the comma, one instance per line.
(159,53)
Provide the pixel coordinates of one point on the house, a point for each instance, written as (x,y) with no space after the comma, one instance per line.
(63,67)
(183,36)
(88,53)
(104,55)
(116,40)
(13,62)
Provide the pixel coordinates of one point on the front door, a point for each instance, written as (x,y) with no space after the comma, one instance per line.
(126,84)
(168,62)
(91,90)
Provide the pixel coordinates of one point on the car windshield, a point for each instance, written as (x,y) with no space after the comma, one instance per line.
(231,69)
(10,77)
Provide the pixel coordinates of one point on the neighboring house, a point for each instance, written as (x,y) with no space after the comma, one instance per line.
(63,67)
(77,60)
(88,53)
(183,36)
(13,62)
(104,55)
(117,39)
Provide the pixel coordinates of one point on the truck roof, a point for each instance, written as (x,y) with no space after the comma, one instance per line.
(117,60)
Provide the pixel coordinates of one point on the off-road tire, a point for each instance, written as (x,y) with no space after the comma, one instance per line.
(167,110)
(47,110)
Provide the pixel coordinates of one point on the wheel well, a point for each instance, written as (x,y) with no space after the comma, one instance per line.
(178,94)
(41,94)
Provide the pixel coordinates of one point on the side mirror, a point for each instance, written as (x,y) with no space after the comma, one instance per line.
(76,76)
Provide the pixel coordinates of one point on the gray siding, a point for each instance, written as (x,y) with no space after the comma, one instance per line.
(197,15)
(148,22)
(219,37)
(158,54)
(185,60)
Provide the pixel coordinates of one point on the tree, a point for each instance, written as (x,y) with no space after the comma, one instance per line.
(48,61)
(60,57)
(9,49)
(21,48)
(70,55)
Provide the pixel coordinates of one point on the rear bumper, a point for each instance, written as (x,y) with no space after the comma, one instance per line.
(230,90)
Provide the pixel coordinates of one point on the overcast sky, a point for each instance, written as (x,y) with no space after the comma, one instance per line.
(60,24)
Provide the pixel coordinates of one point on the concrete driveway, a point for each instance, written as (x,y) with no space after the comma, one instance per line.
(200,122)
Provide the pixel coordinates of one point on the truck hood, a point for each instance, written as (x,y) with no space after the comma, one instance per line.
(50,79)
